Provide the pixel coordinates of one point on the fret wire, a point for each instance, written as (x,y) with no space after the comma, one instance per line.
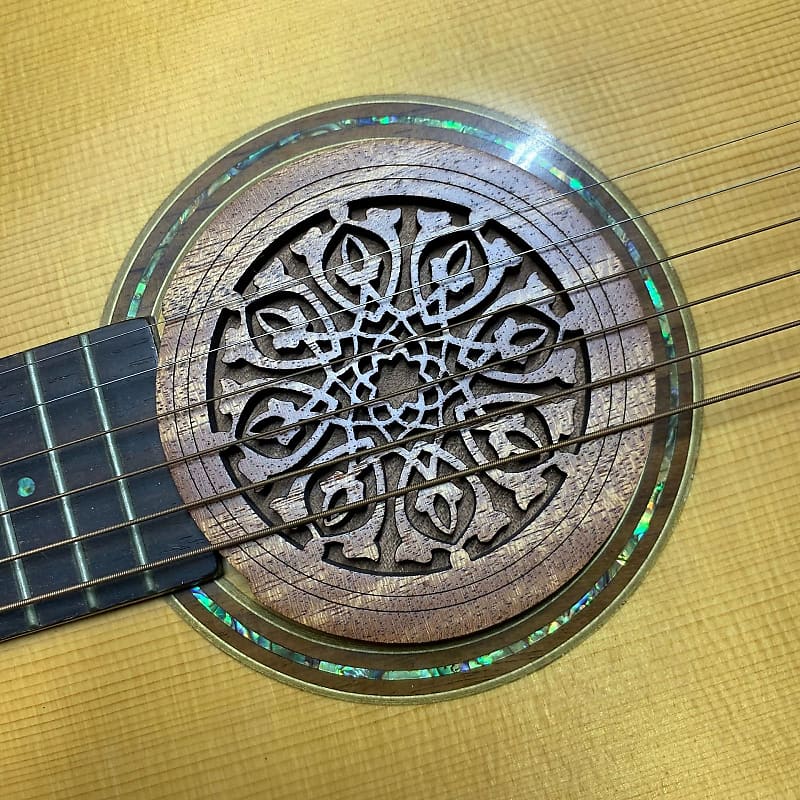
(391,494)
(546,201)
(474,370)
(114,457)
(459,425)
(490,264)
(58,478)
(20,576)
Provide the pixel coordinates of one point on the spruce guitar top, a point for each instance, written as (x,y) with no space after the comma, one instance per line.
(430,382)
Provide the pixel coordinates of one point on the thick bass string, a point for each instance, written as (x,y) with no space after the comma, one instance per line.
(310,518)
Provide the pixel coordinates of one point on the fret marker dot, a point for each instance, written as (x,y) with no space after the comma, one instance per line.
(26,487)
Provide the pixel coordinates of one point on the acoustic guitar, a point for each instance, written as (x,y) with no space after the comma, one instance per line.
(688,689)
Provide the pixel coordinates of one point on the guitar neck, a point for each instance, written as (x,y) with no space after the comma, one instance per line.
(80,412)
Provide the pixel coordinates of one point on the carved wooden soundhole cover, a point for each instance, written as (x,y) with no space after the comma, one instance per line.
(370,311)
(339,313)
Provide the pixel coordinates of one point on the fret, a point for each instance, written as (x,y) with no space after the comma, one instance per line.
(140,446)
(58,475)
(60,406)
(114,456)
(84,458)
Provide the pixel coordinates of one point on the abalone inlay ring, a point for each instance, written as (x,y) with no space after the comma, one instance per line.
(356,329)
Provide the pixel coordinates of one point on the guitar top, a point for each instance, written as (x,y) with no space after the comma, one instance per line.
(689,689)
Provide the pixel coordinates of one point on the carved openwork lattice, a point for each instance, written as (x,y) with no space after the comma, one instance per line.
(335,203)
(374,322)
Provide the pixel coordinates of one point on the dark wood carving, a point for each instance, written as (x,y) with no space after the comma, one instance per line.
(366,294)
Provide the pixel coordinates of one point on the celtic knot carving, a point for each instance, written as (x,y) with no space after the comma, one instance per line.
(400,317)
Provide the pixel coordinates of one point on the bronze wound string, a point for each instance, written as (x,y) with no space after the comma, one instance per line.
(321,515)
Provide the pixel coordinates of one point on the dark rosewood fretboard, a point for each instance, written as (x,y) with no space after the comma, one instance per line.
(51,397)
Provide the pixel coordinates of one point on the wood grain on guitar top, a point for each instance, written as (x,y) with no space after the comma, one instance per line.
(690,690)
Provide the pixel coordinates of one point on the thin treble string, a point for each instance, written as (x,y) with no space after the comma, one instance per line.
(487,265)
(543,201)
(534,205)
(401,442)
(539,203)
(534,350)
(390,345)
(399,492)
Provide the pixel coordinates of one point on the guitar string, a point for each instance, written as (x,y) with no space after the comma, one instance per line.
(391,445)
(487,265)
(390,345)
(394,493)
(292,427)
(535,205)
(571,240)
(302,423)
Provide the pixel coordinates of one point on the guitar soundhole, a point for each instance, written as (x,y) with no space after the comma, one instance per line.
(361,343)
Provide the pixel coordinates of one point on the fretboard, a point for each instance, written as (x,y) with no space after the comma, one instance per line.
(75,413)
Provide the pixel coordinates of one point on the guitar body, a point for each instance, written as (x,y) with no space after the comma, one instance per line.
(689,690)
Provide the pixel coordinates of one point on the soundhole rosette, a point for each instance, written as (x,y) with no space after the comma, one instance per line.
(354,278)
